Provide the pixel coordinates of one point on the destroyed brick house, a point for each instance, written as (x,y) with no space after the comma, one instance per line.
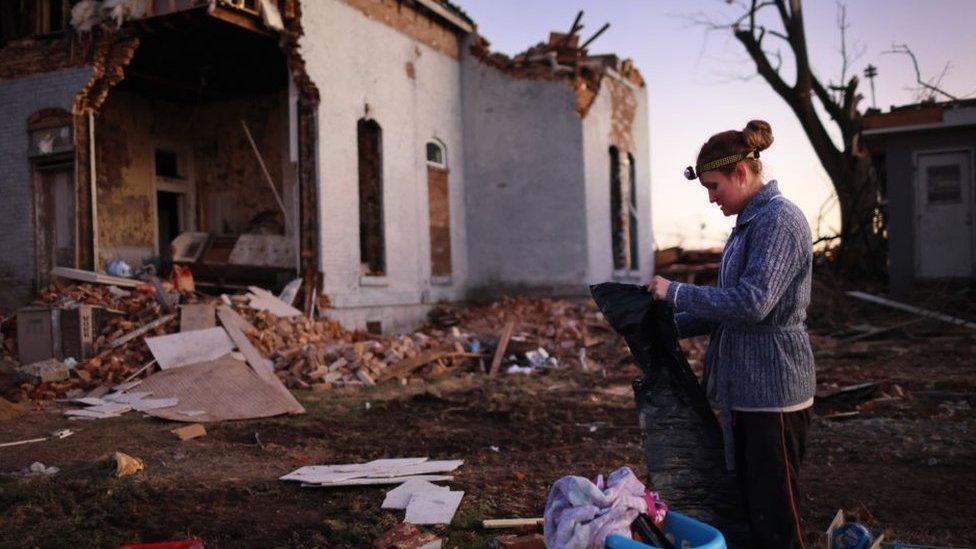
(379,143)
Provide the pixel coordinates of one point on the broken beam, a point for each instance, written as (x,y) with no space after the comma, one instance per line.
(912,309)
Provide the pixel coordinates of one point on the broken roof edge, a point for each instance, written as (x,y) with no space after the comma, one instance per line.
(526,63)
(584,76)
(449,13)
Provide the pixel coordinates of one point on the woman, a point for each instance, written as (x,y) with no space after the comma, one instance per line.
(759,366)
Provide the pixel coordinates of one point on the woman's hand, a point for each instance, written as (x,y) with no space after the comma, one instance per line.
(658,287)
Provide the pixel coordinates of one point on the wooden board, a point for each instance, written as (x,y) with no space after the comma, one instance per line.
(502,346)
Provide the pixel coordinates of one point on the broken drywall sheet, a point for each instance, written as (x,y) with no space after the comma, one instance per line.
(381,471)
(437,507)
(263,300)
(399,497)
(175,350)
(378,481)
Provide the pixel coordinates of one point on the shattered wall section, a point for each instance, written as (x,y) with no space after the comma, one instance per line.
(215,159)
(112,53)
(559,60)
(32,56)
(411,21)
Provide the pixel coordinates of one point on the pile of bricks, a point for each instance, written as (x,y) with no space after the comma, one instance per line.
(319,354)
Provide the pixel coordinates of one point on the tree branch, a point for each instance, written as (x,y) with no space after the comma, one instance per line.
(904,49)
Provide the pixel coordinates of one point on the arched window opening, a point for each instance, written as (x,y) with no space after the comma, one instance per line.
(372,245)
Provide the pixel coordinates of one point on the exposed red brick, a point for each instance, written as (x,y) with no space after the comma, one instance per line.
(413,22)
(623,110)
(32,56)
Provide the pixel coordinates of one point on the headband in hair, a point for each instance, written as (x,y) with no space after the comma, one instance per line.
(693,173)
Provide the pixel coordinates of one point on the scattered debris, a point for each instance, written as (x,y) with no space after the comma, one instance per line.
(125,465)
(380,471)
(59,434)
(511,541)
(36,469)
(691,266)
(190,431)
(193,543)
(49,370)
(98,278)
(407,536)
(316,354)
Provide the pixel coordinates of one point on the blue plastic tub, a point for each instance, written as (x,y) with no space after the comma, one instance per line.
(698,534)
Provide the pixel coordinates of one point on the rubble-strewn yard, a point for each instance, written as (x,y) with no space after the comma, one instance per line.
(905,463)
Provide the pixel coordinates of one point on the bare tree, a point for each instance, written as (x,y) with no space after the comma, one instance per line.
(862,247)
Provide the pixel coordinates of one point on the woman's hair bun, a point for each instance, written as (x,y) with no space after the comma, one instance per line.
(758,135)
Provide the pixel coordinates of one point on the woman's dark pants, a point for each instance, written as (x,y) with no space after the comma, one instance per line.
(769,447)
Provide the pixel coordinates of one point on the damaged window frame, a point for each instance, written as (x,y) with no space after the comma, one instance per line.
(180,182)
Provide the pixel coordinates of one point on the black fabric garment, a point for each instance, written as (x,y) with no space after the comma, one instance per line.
(769,447)
(681,437)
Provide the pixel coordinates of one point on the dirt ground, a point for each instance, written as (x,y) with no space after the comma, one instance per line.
(906,465)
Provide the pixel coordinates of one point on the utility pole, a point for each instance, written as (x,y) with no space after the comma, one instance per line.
(870,72)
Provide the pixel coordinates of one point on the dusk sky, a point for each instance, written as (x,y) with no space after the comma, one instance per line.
(694,89)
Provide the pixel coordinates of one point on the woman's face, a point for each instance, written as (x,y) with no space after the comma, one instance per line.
(730,192)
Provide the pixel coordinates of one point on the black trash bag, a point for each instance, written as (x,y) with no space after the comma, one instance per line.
(681,436)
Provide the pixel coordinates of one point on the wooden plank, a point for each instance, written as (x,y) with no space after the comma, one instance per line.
(492,524)
(408,365)
(236,328)
(496,362)
(97,278)
(141,331)
(197,316)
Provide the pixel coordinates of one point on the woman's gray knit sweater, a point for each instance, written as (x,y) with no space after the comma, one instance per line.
(759,354)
